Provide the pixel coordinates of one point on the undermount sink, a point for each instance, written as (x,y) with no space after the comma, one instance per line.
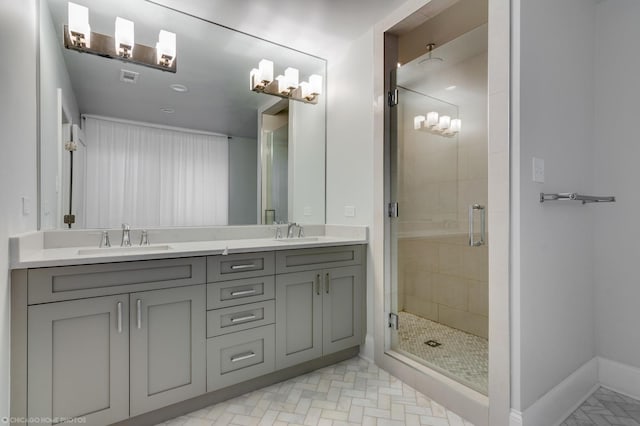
(297,240)
(116,250)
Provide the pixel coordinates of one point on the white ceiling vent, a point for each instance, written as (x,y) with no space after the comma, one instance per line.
(129,76)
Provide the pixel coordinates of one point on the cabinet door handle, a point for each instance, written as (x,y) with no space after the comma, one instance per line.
(327,280)
(318,284)
(242,357)
(244,318)
(139,313)
(243,292)
(246,266)
(119,315)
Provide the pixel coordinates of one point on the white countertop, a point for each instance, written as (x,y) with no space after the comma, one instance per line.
(40,249)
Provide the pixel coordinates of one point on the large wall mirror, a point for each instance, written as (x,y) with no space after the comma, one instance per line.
(126,143)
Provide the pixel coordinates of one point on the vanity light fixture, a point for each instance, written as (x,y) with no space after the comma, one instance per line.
(442,125)
(285,86)
(78,36)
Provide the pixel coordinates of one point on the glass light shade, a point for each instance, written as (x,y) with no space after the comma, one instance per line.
(254,78)
(292,76)
(79,22)
(432,119)
(282,84)
(315,81)
(305,89)
(444,122)
(166,45)
(124,34)
(417,121)
(266,70)
(456,125)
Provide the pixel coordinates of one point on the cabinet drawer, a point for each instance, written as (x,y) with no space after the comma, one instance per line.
(232,293)
(236,266)
(243,317)
(237,357)
(77,282)
(317,258)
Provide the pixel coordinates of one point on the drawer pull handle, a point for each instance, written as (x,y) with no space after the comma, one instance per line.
(327,280)
(244,318)
(119,309)
(243,292)
(318,284)
(139,313)
(242,357)
(240,267)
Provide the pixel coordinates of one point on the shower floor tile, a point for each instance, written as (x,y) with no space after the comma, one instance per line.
(606,407)
(460,355)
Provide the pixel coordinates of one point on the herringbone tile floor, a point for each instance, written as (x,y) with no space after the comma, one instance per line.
(353,392)
(606,408)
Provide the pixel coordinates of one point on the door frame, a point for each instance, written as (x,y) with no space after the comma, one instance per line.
(460,399)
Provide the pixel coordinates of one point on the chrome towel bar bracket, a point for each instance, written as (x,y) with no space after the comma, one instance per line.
(572,196)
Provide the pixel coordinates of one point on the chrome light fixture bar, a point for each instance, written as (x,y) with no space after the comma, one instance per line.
(287,86)
(78,37)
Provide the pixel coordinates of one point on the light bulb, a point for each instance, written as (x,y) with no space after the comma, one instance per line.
(456,125)
(432,119)
(124,36)
(254,78)
(444,122)
(305,90)
(79,28)
(316,84)
(417,121)
(282,84)
(166,48)
(291,74)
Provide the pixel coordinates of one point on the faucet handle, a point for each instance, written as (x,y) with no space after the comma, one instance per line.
(278,233)
(144,238)
(126,227)
(300,231)
(104,241)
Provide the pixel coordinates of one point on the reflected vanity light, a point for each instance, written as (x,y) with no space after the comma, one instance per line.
(437,124)
(285,86)
(78,37)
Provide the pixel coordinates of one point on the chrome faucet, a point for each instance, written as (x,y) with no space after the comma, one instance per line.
(104,241)
(290,229)
(126,235)
(144,238)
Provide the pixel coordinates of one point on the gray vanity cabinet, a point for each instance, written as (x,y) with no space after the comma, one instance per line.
(318,313)
(78,360)
(168,360)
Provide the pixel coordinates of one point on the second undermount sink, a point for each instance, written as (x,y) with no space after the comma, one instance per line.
(117,250)
(297,240)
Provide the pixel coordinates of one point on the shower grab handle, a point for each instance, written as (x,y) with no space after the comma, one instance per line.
(481,241)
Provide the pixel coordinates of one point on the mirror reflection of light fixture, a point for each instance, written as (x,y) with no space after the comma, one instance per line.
(124,37)
(435,123)
(78,37)
(285,86)
(79,28)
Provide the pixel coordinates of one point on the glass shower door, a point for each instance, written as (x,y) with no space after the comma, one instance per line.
(437,295)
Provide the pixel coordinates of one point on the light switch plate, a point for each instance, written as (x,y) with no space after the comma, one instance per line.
(538,170)
(26,206)
(349,211)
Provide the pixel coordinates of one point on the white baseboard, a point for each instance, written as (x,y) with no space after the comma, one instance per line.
(619,377)
(557,404)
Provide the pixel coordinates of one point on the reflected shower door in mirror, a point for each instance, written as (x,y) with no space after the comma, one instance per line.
(154,148)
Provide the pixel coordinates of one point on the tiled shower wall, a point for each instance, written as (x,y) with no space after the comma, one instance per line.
(443,279)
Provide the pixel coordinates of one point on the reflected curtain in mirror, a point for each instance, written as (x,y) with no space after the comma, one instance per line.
(150,176)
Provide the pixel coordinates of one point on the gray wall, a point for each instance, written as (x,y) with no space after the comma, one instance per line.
(18,160)
(243,181)
(616,172)
(552,281)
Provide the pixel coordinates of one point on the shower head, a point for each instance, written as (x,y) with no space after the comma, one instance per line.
(430,58)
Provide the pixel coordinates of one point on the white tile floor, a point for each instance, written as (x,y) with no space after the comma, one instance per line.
(353,392)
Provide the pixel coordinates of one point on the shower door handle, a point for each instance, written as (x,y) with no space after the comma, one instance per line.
(483,216)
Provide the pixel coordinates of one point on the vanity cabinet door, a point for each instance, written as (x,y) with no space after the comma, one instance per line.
(168,359)
(298,318)
(78,360)
(342,308)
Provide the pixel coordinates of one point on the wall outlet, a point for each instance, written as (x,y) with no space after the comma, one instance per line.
(307,211)
(538,170)
(349,211)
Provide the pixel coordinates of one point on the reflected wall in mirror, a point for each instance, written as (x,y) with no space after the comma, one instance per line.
(120,142)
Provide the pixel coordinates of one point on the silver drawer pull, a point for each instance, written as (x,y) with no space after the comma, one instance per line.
(244,318)
(243,292)
(242,357)
(246,266)
(119,309)
(139,313)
